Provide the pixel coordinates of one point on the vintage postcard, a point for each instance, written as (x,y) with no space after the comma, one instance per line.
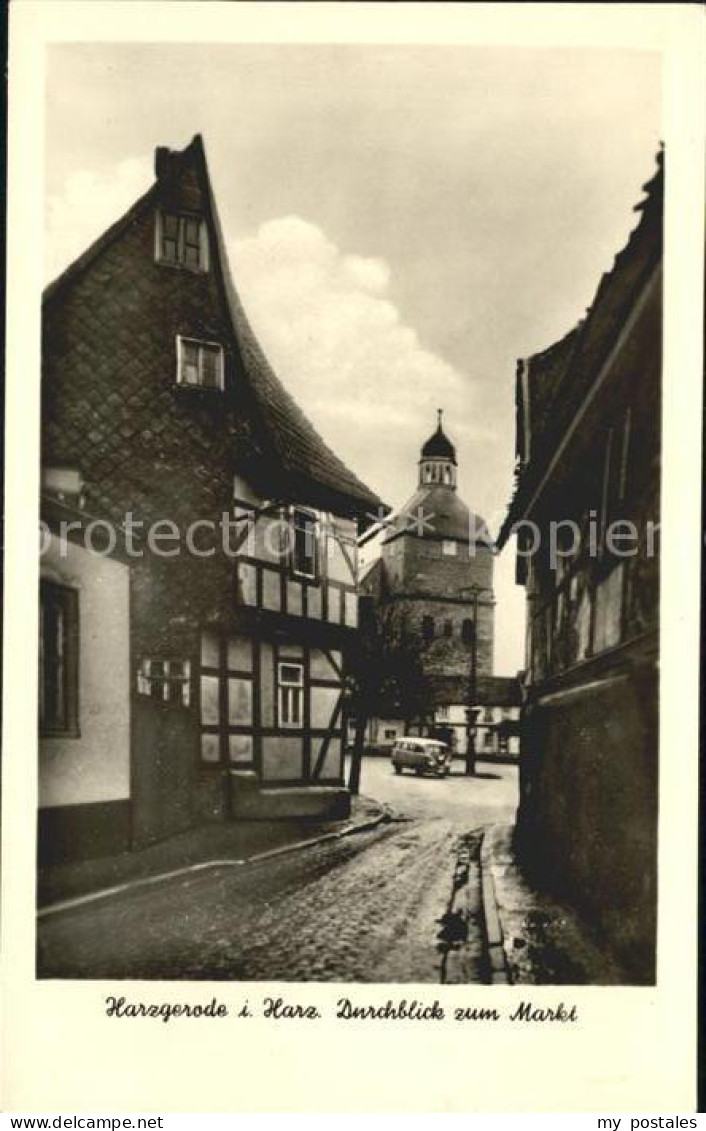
(351,696)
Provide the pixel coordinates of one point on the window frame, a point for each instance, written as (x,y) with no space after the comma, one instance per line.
(68,598)
(287,688)
(182,217)
(167,682)
(313,518)
(202,344)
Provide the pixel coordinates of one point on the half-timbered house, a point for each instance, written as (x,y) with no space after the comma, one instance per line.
(586,512)
(196,667)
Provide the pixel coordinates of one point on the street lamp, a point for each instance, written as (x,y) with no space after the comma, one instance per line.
(472,710)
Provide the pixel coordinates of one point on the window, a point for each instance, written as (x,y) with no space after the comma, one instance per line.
(168,681)
(615,469)
(390,734)
(182,241)
(428,628)
(467,631)
(449,548)
(290,681)
(199,364)
(58,660)
(442,714)
(304,543)
(448,628)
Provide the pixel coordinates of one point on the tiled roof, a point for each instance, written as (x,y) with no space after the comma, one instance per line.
(303,455)
(436,511)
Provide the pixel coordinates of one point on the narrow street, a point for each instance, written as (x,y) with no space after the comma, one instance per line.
(372,907)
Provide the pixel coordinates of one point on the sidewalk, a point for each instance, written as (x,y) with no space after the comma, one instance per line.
(223,843)
(544,943)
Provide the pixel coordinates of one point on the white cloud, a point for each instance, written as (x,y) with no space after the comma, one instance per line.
(89,203)
(326,320)
(332,333)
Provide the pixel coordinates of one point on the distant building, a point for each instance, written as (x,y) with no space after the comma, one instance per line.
(203,683)
(588,450)
(433,585)
(497,734)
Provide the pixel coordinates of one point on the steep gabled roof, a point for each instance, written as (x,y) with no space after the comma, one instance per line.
(300,451)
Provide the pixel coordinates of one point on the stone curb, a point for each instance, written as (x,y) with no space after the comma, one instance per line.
(384,814)
(456,958)
(499,974)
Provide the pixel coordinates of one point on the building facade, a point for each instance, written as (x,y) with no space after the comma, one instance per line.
(496,735)
(586,513)
(192,667)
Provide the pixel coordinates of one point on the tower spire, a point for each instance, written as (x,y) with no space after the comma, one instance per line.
(439,414)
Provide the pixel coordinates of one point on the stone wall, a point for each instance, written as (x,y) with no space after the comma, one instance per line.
(419,564)
(587,822)
(449,654)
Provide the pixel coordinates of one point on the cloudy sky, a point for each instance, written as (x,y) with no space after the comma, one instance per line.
(403,222)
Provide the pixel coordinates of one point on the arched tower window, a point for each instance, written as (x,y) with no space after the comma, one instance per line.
(428,628)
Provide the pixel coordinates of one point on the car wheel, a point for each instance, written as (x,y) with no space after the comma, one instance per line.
(397,769)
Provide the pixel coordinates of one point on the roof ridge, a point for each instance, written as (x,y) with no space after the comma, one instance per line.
(243,330)
(86,257)
(653,189)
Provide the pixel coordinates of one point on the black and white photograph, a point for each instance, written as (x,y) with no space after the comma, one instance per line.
(289,362)
(351,490)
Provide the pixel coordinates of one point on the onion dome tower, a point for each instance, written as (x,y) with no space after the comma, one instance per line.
(437,463)
(437,564)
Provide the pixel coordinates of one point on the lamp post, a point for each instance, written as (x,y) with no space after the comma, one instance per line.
(471,711)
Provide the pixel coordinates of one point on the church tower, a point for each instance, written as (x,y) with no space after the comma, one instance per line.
(437,570)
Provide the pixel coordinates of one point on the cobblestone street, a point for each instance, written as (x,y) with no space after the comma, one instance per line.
(370,908)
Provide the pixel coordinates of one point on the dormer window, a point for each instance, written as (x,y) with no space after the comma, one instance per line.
(181,240)
(199,364)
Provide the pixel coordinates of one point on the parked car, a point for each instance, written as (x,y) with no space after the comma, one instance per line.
(423,755)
